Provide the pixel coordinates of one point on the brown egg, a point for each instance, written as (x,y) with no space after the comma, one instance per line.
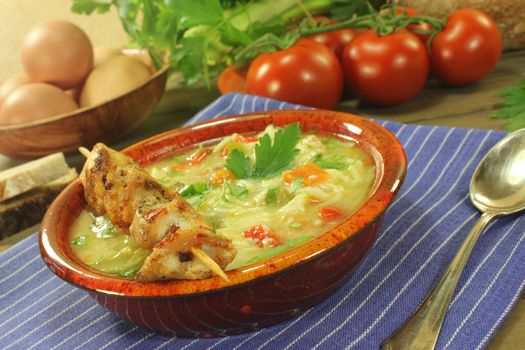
(57,52)
(113,78)
(35,101)
(11,84)
(74,93)
(104,53)
(141,54)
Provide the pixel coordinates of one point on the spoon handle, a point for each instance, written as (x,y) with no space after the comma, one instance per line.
(422,329)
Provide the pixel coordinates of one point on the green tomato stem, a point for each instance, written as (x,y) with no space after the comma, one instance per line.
(382,23)
(358,22)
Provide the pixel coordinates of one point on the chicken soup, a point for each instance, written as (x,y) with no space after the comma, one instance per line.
(265,193)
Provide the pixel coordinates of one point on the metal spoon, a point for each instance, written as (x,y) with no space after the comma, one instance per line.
(496,188)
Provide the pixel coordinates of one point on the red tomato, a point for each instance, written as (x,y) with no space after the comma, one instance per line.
(232,79)
(466,49)
(311,174)
(198,157)
(263,236)
(329,213)
(335,40)
(307,73)
(220,176)
(385,70)
(240,138)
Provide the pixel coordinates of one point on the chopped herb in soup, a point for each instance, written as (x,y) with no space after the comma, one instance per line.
(267,193)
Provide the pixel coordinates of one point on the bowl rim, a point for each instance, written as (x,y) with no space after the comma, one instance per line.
(82,110)
(390,173)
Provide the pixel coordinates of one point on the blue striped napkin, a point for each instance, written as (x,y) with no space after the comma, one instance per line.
(422,231)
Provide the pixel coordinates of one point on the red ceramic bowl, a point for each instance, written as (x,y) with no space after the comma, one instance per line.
(257,295)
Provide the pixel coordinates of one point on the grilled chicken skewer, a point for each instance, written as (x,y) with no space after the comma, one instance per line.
(157,217)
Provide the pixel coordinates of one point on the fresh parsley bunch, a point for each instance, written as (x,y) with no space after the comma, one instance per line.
(201,37)
(513,108)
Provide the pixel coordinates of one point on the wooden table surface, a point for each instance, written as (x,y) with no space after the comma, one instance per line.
(468,107)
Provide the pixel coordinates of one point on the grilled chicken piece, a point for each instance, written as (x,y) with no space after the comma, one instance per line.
(162,264)
(104,178)
(154,219)
(158,217)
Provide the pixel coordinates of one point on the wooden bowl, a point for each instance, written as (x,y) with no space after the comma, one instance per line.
(86,126)
(259,294)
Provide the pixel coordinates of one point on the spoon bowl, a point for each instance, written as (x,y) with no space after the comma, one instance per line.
(498,184)
(497,188)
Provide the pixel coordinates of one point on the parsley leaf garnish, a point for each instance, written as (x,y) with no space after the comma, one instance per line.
(239,164)
(197,200)
(272,195)
(238,191)
(513,108)
(228,191)
(333,163)
(194,189)
(296,184)
(271,158)
(195,193)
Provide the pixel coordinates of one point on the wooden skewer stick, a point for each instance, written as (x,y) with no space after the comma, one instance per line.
(85,152)
(212,265)
(199,253)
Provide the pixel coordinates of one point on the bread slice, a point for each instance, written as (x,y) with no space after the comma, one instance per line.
(508,14)
(27,209)
(31,175)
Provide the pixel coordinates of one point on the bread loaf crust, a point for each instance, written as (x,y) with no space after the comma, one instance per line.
(28,209)
(28,176)
(508,14)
